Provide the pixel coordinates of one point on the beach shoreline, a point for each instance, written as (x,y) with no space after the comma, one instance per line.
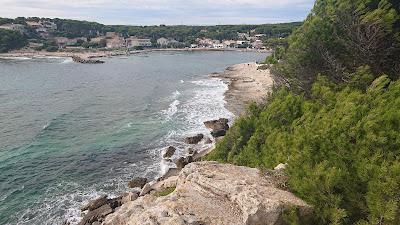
(246,84)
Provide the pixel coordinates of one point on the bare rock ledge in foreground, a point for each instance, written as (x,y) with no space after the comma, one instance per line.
(212,193)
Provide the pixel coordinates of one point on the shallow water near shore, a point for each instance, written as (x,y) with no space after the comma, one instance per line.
(70,132)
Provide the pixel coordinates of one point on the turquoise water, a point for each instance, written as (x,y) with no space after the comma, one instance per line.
(69,132)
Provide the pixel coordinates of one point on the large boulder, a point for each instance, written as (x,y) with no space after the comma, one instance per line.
(147,188)
(96,215)
(183,161)
(137,182)
(169,152)
(212,193)
(96,203)
(220,124)
(194,139)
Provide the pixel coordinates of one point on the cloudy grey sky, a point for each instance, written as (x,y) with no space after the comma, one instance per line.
(148,12)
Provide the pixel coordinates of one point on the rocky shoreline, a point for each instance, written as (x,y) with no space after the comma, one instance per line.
(187,193)
(86,61)
(96,211)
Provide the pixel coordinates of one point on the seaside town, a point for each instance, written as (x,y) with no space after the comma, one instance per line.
(44,35)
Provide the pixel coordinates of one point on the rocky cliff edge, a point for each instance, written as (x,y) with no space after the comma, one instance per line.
(211,193)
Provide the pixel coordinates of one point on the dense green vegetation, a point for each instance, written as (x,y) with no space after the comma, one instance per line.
(76,28)
(189,34)
(336,121)
(10,40)
(185,35)
(339,36)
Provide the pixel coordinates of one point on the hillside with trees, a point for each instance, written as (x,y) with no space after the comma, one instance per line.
(44,30)
(188,34)
(335,119)
(11,40)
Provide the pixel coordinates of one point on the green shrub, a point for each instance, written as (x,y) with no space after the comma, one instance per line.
(342,145)
(165,192)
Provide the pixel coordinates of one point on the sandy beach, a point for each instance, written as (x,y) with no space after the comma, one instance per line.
(247,84)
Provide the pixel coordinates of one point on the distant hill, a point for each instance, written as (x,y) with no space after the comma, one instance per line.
(44,29)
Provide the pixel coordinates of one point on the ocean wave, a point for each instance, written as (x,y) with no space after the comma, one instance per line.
(172,109)
(63,201)
(46,126)
(67,60)
(213,82)
(16,58)
(49,57)
(176,94)
(207,103)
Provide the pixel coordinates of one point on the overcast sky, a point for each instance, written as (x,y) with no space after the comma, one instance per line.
(150,12)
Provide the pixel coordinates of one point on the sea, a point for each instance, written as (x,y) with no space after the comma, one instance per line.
(70,132)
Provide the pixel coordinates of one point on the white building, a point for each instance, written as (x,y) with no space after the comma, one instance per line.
(218,46)
(259,35)
(242,42)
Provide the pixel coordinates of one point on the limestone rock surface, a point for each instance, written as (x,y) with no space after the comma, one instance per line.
(213,193)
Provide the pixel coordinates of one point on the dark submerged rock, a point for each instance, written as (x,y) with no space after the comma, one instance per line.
(169,152)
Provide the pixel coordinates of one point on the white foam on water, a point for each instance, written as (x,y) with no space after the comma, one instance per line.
(16,58)
(205,102)
(45,126)
(63,201)
(176,94)
(173,108)
(67,60)
(208,103)
(49,57)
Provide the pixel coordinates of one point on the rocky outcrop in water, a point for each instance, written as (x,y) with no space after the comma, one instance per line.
(86,61)
(99,208)
(212,193)
(220,124)
(169,152)
(194,140)
(218,127)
